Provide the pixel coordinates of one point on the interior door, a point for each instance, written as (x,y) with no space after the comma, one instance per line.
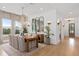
(71,30)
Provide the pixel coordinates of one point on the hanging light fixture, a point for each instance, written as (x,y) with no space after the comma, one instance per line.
(22,11)
(22,16)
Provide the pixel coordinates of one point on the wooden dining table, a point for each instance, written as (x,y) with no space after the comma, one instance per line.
(29,39)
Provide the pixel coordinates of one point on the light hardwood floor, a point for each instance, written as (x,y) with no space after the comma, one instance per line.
(68,47)
(2,52)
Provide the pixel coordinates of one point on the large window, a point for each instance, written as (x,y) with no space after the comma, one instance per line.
(17,27)
(6,23)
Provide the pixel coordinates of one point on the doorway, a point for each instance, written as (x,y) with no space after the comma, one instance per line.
(72,30)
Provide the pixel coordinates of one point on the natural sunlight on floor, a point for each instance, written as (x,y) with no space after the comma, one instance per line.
(71,42)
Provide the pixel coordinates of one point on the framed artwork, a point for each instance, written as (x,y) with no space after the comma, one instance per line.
(41,24)
(33,25)
(38,24)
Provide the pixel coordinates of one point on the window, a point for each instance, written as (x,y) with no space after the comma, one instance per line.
(17,27)
(6,23)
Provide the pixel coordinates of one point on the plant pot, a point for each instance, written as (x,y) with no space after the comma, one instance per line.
(48,40)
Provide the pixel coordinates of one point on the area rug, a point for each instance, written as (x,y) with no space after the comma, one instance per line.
(14,52)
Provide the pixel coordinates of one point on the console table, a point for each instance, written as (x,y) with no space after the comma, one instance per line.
(30,39)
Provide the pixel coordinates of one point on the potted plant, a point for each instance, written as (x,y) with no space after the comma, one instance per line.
(24,31)
(48,34)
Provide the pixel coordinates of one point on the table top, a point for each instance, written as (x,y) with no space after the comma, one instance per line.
(33,37)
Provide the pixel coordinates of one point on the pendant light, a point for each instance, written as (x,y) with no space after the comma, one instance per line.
(22,16)
(22,10)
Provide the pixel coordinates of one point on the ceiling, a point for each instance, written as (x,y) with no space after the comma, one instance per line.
(63,9)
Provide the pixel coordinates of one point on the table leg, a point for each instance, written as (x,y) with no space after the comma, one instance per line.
(36,43)
(27,46)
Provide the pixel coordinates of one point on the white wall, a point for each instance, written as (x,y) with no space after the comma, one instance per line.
(66,27)
(48,16)
(1,30)
(77,26)
(62,29)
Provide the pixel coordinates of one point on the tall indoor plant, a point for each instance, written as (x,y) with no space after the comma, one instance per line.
(48,33)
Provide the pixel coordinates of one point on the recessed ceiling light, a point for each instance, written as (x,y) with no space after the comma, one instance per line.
(70,12)
(31,3)
(41,9)
(3,7)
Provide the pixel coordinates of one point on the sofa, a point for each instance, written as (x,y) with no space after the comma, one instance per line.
(18,42)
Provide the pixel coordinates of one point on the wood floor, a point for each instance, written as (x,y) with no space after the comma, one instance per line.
(69,47)
(2,52)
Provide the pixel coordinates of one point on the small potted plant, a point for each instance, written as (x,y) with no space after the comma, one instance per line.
(25,31)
